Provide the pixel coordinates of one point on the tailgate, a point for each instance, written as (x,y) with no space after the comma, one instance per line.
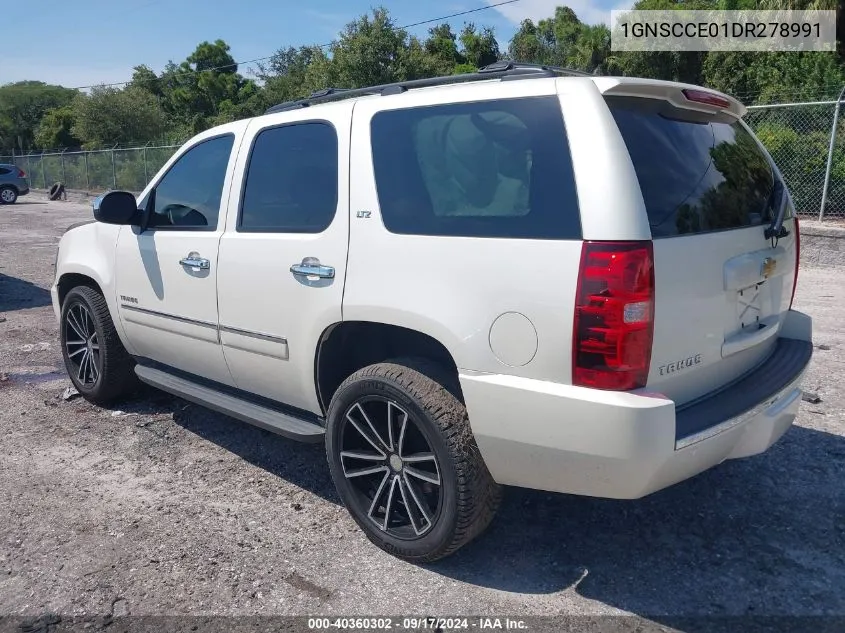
(721,287)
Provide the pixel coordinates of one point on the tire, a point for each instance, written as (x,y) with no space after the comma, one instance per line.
(56,191)
(466,497)
(108,374)
(8,195)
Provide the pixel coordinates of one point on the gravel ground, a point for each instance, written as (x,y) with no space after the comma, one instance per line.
(161,507)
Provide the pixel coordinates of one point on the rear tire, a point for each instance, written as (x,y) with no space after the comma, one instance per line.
(419,494)
(8,195)
(98,365)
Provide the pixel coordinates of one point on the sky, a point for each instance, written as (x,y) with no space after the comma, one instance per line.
(100,41)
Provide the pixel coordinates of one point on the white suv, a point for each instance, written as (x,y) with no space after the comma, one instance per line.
(522,277)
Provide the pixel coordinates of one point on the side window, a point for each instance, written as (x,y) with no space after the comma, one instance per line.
(188,196)
(484,169)
(4,171)
(291,180)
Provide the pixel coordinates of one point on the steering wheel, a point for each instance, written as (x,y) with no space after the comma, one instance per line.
(191,218)
(168,212)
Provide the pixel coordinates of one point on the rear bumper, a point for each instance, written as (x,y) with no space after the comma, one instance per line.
(561,438)
(23,189)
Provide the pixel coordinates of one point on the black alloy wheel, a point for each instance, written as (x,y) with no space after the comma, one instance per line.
(391,467)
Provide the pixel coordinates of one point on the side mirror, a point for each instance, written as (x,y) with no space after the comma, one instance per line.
(117,207)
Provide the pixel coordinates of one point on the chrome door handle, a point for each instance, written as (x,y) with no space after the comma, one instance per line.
(194,260)
(311,267)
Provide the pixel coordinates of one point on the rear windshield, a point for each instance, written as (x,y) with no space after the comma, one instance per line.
(484,169)
(698,175)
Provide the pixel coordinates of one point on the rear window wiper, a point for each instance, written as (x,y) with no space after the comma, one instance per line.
(776,230)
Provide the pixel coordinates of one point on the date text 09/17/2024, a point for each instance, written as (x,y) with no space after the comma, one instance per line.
(416,623)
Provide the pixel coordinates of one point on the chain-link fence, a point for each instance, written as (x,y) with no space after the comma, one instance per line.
(807,141)
(129,169)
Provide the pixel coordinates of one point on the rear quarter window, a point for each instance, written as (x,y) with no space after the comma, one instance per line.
(697,174)
(484,169)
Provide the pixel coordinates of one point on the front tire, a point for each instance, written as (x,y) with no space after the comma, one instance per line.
(405,463)
(98,365)
(8,195)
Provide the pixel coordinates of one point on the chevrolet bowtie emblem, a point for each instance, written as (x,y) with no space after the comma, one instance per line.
(768,267)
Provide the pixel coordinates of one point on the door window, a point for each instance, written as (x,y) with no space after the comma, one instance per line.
(188,196)
(291,182)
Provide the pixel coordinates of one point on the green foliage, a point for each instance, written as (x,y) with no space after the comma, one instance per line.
(562,40)
(801,155)
(461,69)
(292,73)
(773,77)
(480,47)
(143,77)
(442,48)
(206,89)
(54,129)
(369,51)
(194,90)
(22,106)
(108,116)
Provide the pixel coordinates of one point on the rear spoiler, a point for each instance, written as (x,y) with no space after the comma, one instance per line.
(679,95)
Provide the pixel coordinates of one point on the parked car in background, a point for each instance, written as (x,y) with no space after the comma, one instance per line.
(13,184)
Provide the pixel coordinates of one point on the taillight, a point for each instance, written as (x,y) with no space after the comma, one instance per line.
(21,173)
(797,260)
(614,315)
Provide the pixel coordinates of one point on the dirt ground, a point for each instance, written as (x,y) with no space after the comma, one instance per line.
(164,508)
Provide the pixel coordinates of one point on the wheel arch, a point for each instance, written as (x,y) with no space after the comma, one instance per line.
(347,346)
(79,274)
(69,280)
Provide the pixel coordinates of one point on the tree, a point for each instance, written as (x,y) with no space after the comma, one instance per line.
(592,49)
(669,65)
(368,51)
(206,88)
(754,77)
(479,47)
(442,49)
(202,90)
(54,130)
(250,101)
(563,40)
(415,63)
(22,106)
(529,45)
(108,116)
(143,77)
(212,57)
(292,73)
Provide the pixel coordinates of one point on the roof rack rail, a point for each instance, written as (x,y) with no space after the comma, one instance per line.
(504,70)
(506,64)
(326,91)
